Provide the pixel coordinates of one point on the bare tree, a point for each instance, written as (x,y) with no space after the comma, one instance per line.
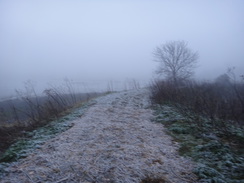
(176,60)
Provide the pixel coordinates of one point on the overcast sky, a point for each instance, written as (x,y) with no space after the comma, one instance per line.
(83,40)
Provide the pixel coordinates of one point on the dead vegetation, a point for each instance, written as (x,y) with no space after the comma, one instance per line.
(30,111)
(115,141)
(207,120)
(149,180)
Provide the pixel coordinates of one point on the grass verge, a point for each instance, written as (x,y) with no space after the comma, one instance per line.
(32,140)
(218,155)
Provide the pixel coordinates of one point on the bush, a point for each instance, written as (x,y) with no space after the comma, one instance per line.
(222,104)
(29,111)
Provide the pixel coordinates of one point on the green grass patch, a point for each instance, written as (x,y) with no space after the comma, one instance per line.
(218,153)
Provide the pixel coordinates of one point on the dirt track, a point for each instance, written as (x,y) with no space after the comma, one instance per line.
(115,141)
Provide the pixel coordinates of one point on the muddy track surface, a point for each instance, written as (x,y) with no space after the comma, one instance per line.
(114,141)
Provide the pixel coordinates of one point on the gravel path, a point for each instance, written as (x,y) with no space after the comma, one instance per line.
(115,141)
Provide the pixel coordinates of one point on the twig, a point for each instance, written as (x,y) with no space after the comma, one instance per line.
(28,176)
(63,179)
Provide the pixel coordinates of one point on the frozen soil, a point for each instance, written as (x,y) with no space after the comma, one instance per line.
(114,141)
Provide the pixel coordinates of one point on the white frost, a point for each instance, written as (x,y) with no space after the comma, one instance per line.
(115,141)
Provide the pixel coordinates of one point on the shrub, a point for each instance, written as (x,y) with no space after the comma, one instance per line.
(222,104)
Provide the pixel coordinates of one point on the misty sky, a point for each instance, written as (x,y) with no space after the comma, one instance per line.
(102,40)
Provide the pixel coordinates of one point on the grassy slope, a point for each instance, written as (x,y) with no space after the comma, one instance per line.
(32,140)
(219,156)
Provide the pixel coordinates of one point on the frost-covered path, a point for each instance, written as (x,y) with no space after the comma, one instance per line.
(115,141)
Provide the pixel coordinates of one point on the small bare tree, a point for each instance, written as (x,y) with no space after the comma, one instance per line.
(176,60)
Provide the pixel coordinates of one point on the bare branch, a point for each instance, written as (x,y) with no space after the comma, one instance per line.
(176,60)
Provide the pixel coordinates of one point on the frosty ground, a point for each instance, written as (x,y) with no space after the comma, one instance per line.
(115,140)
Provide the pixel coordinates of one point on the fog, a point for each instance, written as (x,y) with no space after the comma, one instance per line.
(95,41)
